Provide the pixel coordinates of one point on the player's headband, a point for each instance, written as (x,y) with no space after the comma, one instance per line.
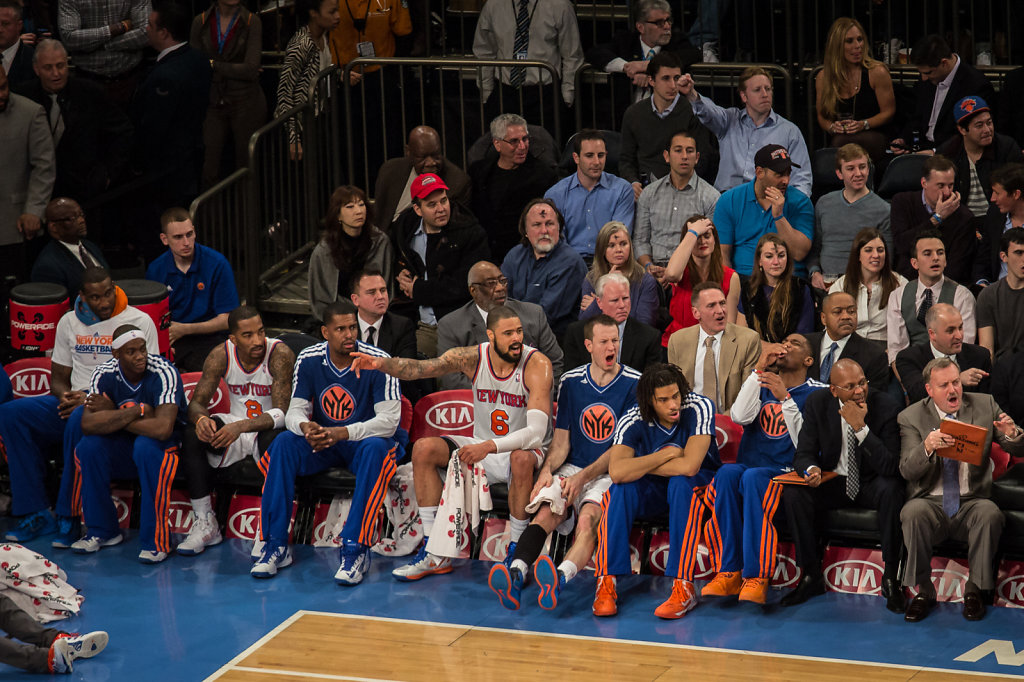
(127,337)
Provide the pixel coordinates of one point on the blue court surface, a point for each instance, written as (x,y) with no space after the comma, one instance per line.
(185,618)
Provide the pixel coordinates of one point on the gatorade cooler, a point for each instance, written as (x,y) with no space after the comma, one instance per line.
(151,298)
(36,308)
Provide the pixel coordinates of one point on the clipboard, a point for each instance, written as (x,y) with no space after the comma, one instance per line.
(970,441)
(796,478)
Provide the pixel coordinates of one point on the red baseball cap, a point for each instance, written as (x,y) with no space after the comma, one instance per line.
(425,185)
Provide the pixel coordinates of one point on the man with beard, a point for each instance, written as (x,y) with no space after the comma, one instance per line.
(511,432)
(334,419)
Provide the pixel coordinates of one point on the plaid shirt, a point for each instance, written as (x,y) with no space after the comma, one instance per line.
(85,29)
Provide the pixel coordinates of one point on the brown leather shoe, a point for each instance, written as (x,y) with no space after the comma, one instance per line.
(974,606)
(919,608)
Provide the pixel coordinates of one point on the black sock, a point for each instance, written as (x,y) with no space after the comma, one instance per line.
(531,542)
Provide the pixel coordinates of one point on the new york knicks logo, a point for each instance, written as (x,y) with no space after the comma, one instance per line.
(771,421)
(968,105)
(128,404)
(337,403)
(598,422)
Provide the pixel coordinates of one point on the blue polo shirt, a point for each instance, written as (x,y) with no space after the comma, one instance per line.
(741,222)
(586,212)
(206,290)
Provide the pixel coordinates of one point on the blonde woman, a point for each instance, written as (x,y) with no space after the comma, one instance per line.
(613,252)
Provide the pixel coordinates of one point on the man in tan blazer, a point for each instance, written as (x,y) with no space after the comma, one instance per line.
(735,349)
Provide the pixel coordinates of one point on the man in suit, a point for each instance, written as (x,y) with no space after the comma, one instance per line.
(851,430)
(467,326)
(92,139)
(733,350)
(16,55)
(422,155)
(945,340)
(1006,212)
(68,253)
(945,79)
(947,498)
(26,176)
(640,343)
(840,340)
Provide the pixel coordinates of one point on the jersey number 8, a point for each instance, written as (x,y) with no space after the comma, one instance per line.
(253,409)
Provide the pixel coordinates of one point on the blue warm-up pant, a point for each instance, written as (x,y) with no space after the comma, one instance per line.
(744,500)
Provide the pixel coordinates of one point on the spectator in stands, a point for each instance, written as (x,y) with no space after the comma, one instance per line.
(358,430)
(92,139)
(614,253)
(841,214)
(648,128)
(976,152)
(118,436)
(945,79)
(105,41)
(502,187)
(909,304)
(422,155)
(435,244)
(590,197)
(698,258)
(467,326)
(202,290)
(841,340)
(869,279)
(743,496)
(731,350)
(1006,212)
(742,131)
(307,54)
(1007,378)
(26,177)
(663,202)
(947,498)
(543,268)
(766,204)
(393,334)
(1001,305)
(66,256)
(855,100)
(638,345)
(547,32)
(936,207)
(31,427)
(258,374)
(629,51)
(349,243)
(945,340)
(851,430)
(231,37)
(775,303)
(15,55)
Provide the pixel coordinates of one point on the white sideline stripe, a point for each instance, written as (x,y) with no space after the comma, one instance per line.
(689,647)
(306,675)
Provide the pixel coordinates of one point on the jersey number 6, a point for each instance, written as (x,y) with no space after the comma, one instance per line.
(499,422)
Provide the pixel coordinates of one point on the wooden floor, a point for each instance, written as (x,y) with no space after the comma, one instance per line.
(324,646)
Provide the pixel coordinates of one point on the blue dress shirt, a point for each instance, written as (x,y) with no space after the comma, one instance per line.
(586,212)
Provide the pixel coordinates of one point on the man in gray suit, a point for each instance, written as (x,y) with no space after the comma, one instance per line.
(26,176)
(466,326)
(948,498)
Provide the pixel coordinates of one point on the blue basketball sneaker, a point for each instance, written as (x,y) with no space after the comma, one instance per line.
(507,585)
(355,560)
(550,580)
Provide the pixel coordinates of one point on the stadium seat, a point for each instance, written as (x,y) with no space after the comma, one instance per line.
(612,143)
(728,434)
(902,175)
(30,377)
(444,413)
(542,146)
(220,404)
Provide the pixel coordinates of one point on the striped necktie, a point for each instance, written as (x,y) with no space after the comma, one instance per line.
(521,44)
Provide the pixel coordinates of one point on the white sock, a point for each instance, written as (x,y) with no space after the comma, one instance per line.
(427,518)
(568,569)
(521,566)
(202,506)
(518,526)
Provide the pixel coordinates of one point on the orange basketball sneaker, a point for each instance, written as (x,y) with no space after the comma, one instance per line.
(754,590)
(724,584)
(684,598)
(604,601)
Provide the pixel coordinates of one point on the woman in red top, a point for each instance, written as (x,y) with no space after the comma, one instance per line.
(698,258)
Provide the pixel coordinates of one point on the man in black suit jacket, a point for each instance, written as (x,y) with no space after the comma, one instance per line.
(847,413)
(639,345)
(19,67)
(936,62)
(68,253)
(945,339)
(839,315)
(1007,207)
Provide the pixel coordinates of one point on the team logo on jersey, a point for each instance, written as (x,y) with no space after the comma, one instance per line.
(337,403)
(771,421)
(127,404)
(598,422)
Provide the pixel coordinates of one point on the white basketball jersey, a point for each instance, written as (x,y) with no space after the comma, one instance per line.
(499,403)
(248,392)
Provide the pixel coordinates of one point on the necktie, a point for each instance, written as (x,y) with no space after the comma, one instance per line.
(710,373)
(925,305)
(87,260)
(826,366)
(369,335)
(950,484)
(852,464)
(56,120)
(650,55)
(521,44)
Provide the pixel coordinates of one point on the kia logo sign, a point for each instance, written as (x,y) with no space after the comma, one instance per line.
(190,387)
(244,522)
(854,576)
(451,415)
(495,547)
(1012,590)
(31,381)
(787,573)
(122,509)
(659,557)
(722,436)
(180,516)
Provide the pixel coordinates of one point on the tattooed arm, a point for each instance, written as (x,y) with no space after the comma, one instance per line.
(455,360)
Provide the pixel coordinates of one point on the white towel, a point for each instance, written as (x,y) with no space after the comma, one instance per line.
(552,496)
(37,585)
(403,513)
(465,495)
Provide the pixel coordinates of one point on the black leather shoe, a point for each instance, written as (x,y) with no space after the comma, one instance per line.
(974,606)
(919,608)
(895,599)
(809,586)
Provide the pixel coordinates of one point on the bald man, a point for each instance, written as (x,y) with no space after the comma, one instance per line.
(422,155)
(67,255)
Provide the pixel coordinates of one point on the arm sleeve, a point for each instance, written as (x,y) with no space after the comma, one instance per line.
(225,296)
(794,419)
(527,438)
(625,206)
(485,46)
(813,260)
(798,152)
(299,410)
(249,68)
(571,52)
(646,303)
(642,231)
(76,38)
(964,302)
(64,340)
(629,165)
(748,401)
(43,164)
(383,424)
(714,117)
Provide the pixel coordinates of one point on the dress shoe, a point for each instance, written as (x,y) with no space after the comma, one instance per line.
(809,586)
(919,608)
(895,599)
(974,606)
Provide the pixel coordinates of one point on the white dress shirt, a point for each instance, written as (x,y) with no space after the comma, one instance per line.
(844,453)
(897,336)
(364,325)
(826,346)
(941,90)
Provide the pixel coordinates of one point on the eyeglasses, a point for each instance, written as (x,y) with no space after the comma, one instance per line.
(661,23)
(863,383)
(68,219)
(492,282)
(525,139)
